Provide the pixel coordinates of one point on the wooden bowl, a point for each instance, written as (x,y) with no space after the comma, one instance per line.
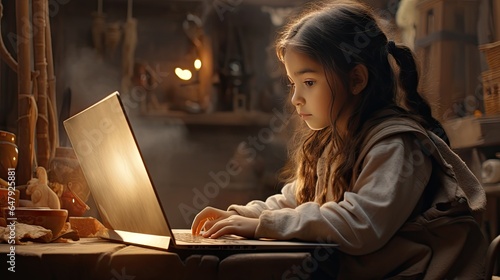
(52,219)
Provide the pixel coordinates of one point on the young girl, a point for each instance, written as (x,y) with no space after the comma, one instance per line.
(371,172)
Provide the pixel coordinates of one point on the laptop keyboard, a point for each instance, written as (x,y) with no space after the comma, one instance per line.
(188,237)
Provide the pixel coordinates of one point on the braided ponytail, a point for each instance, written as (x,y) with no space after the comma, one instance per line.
(408,80)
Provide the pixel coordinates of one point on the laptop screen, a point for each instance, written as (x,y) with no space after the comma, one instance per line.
(114,169)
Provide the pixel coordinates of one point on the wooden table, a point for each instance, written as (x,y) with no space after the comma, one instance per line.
(92,258)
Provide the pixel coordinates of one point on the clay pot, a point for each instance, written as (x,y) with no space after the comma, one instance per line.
(72,202)
(8,153)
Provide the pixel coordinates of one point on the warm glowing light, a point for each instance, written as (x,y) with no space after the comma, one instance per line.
(73,200)
(197,64)
(183,74)
(14,158)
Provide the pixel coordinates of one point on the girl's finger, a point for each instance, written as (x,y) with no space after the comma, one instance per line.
(204,224)
(199,226)
(208,224)
(214,228)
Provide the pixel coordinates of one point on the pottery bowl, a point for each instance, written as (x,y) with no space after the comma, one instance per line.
(52,219)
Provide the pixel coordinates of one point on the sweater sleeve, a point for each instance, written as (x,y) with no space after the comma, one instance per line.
(286,199)
(392,179)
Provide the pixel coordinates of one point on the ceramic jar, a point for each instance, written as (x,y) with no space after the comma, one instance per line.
(8,153)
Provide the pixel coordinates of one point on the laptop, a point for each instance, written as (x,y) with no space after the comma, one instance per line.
(123,191)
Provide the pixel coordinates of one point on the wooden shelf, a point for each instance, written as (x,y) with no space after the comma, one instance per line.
(243,118)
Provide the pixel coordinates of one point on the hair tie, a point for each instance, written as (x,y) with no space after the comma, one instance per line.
(391,46)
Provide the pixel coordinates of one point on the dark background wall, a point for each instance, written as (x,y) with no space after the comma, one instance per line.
(182,157)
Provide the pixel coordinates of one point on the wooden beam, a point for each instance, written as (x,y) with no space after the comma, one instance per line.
(26,103)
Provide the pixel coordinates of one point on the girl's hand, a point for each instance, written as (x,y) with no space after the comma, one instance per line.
(207,218)
(236,224)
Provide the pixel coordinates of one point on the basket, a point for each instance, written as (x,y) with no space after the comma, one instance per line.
(492,53)
(491,92)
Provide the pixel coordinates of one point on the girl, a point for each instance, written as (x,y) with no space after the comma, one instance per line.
(371,172)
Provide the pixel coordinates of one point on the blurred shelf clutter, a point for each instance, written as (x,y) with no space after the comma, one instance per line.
(477,141)
(471,131)
(491,78)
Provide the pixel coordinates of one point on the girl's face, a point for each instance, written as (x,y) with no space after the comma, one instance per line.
(312,95)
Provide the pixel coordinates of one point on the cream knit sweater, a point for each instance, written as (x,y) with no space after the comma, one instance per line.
(394,169)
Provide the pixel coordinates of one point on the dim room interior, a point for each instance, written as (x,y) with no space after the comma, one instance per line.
(204,91)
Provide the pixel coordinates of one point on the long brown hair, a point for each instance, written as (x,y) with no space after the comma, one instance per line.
(340,36)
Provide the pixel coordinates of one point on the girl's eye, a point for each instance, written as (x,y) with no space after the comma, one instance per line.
(309,83)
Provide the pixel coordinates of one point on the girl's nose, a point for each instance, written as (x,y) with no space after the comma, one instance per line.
(297,98)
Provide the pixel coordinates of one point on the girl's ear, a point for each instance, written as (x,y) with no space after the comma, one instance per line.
(358,78)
